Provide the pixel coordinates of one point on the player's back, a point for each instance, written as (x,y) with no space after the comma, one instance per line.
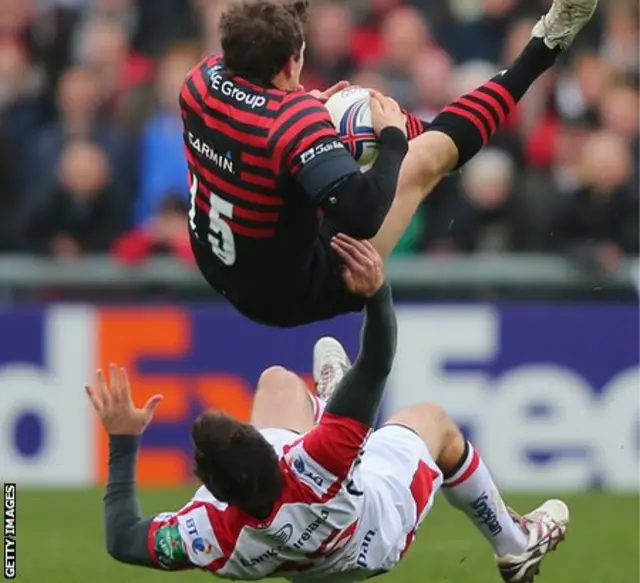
(247,215)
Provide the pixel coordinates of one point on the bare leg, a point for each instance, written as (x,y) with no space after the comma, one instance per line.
(460,131)
(282,401)
(520,542)
(431,157)
(467,483)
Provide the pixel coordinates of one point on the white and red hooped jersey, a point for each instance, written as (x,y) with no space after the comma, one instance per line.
(310,531)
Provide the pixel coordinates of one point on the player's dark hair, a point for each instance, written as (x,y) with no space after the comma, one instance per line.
(236,464)
(259,37)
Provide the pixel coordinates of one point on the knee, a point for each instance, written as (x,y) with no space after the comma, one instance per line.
(433,155)
(272,378)
(277,381)
(431,422)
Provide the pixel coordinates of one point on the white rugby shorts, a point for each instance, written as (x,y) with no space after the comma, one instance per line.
(399,479)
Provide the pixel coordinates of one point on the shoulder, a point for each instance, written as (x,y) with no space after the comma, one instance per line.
(301,103)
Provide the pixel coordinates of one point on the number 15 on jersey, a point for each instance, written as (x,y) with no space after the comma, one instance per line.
(220,235)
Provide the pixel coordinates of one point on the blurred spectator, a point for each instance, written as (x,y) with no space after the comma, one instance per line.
(620,47)
(84,213)
(79,102)
(121,73)
(486,214)
(599,220)
(328,58)
(124,13)
(165,233)
(162,135)
(405,37)
(208,15)
(432,74)
(620,111)
(21,109)
(367,40)
(580,91)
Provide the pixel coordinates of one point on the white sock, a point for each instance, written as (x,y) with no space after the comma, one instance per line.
(318,407)
(472,490)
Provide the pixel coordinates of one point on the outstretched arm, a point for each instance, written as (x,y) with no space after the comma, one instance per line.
(128,535)
(126,532)
(359,394)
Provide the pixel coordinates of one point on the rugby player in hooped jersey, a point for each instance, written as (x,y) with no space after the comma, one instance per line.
(271,183)
(307,491)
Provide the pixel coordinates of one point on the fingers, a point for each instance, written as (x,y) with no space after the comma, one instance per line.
(339,86)
(151,405)
(125,385)
(365,248)
(355,255)
(95,400)
(387,104)
(376,105)
(114,384)
(101,390)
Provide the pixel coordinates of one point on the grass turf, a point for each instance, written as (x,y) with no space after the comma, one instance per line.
(60,541)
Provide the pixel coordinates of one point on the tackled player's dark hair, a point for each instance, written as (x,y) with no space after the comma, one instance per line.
(236,464)
(259,37)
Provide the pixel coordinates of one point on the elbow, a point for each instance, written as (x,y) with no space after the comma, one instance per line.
(117,548)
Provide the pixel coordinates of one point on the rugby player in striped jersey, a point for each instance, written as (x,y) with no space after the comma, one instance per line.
(271,183)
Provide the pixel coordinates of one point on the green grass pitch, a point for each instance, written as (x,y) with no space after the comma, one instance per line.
(60,541)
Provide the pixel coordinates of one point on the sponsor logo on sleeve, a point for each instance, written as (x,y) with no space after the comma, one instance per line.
(200,540)
(169,547)
(309,472)
(320,149)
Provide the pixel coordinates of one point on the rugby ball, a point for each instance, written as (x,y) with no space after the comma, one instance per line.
(350,110)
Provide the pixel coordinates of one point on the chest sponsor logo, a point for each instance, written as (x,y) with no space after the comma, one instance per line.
(310,529)
(224,162)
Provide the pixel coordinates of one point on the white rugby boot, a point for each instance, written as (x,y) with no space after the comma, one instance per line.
(330,363)
(546,527)
(565,19)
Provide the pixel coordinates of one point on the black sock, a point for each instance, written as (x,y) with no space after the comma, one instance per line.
(463,458)
(473,119)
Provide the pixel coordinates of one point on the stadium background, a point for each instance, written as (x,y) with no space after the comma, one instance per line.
(517,281)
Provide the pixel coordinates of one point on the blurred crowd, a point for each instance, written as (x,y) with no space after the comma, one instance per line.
(90,137)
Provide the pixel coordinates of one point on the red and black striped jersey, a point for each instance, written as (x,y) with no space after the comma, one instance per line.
(259,159)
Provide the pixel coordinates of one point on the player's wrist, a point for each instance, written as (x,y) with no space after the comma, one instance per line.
(124,443)
(381,294)
(393,137)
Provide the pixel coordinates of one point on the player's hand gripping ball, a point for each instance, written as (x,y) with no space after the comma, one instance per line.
(350,110)
(359,116)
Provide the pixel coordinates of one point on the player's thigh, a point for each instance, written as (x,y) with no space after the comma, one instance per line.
(282,402)
(430,157)
(432,425)
(400,468)
(326,295)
